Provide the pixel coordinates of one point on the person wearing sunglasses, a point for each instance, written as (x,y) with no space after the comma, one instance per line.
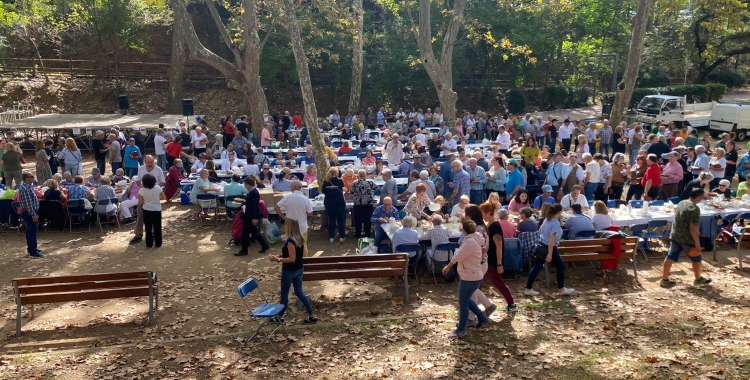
(266,176)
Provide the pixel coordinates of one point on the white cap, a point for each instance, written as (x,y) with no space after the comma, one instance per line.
(136,129)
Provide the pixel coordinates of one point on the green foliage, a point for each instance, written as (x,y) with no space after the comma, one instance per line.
(654,76)
(697,93)
(728,77)
(515,101)
(566,96)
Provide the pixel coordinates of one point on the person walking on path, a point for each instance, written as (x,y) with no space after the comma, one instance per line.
(549,238)
(252,218)
(686,237)
(297,207)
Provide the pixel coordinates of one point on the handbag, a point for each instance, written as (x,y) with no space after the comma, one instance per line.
(540,252)
(451,275)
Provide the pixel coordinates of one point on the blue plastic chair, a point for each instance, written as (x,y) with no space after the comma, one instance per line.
(591,203)
(471,141)
(443,247)
(314,191)
(337,144)
(638,230)
(675,200)
(354,152)
(206,203)
(262,311)
(400,189)
(413,259)
(378,155)
(657,202)
(256,141)
(612,203)
(101,212)
(402,214)
(77,213)
(362,155)
(635,203)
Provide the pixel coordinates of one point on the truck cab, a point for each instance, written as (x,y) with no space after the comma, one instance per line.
(668,109)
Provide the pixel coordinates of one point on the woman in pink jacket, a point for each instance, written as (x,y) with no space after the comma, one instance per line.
(469,259)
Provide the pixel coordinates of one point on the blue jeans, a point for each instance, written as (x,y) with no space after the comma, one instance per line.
(539,264)
(336,217)
(590,189)
(481,133)
(161,161)
(291,278)
(73,169)
(465,291)
(130,172)
(31,228)
(476,196)
(604,149)
(540,140)
(379,236)
(115,166)
(551,144)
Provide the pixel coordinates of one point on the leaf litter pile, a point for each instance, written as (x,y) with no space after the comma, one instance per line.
(612,329)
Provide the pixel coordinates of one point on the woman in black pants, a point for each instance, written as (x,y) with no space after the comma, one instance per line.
(637,172)
(363,192)
(335,204)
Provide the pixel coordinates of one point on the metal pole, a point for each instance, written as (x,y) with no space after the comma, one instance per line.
(614,74)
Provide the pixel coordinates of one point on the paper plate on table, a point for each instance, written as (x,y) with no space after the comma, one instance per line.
(434,207)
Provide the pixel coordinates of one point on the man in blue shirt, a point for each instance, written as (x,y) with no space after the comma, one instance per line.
(461,184)
(29,214)
(446,173)
(381,117)
(308,157)
(239,139)
(477,179)
(545,197)
(132,155)
(700,164)
(382,214)
(515,180)
(556,173)
(578,222)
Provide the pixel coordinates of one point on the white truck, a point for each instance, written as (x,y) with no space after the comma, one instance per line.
(730,118)
(667,109)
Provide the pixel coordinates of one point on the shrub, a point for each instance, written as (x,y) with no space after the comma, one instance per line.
(579,97)
(556,95)
(515,101)
(653,76)
(728,77)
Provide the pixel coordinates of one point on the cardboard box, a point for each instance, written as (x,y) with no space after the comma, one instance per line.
(277,197)
(267,196)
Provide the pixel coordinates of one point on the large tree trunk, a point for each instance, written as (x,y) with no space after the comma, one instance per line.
(356,92)
(303,72)
(441,73)
(258,104)
(176,70)
(626,87)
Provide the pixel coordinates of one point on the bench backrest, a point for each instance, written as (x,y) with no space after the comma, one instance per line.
(38,290)
(596,249)
(360,266)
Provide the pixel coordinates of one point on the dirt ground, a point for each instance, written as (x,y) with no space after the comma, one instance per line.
(613,328)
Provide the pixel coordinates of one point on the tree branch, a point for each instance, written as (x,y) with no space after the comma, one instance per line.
(446,55)
(724,57)
(265,38)
(223,30)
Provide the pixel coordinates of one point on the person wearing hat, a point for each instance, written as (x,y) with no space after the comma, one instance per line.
(544,197)
(515,182)
(403,168)
(200,163)
(671,175)
(132,158)
(94,180)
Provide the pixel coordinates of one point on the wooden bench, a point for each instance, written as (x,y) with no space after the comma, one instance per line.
(573,251)
(39,290)
(351,267)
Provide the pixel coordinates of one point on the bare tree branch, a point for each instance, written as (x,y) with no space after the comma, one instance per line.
(223,30)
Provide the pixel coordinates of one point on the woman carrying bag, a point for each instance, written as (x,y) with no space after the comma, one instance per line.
(71,155)
(546,252)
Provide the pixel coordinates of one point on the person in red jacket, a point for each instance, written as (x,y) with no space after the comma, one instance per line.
(652,180)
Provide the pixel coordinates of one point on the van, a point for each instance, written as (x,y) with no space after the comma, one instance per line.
(727,118)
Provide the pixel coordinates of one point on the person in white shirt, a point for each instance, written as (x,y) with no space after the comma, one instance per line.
(593,175)
(394,151)
(591,136)
(575,197)
(564,134)
(400,114)
(450,145)
(421,137)
(232,161)
(199,142)
(251,168)
(503,140)
(296,206)
(160,144)
(199,164)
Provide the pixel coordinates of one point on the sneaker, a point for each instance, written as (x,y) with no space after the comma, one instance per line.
(530,292)
(511,308)
(482,323)
(566,291)
(37,255)
(135,240)
(310,320)
(128,221)
(457,334)
(667,283)
(341,240)
(276,319)
(332,240)
(488,312)
(471,321)
(702,281)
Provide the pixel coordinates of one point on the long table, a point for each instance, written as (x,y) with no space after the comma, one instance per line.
(453,230)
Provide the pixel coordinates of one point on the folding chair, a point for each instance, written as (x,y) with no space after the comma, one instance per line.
(355,152)
(102,213)
(612,203)
(585,234)
(591,203)
(413,259)
(443,247)
(206,203)
(742,238)
(674,200)
(657,202)
(653,226)
(52,212)
(264,310)
(77,212)
(638,230)
(337,144)
(232,211)
(635,203)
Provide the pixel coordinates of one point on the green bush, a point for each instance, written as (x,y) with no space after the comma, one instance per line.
(694,93)
(653,76)
(515,101)
(566,96)
(728,77)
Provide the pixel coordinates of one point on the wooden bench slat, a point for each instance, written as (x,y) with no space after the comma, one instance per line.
(591,249)
(85,296)
(353,258)
(80,278)
(594,257)
(351,274)
(79,286)
(395,264)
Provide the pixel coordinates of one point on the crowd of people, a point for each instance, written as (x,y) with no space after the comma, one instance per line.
(477,167)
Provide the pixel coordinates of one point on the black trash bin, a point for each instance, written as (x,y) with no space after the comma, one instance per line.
(606,109)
